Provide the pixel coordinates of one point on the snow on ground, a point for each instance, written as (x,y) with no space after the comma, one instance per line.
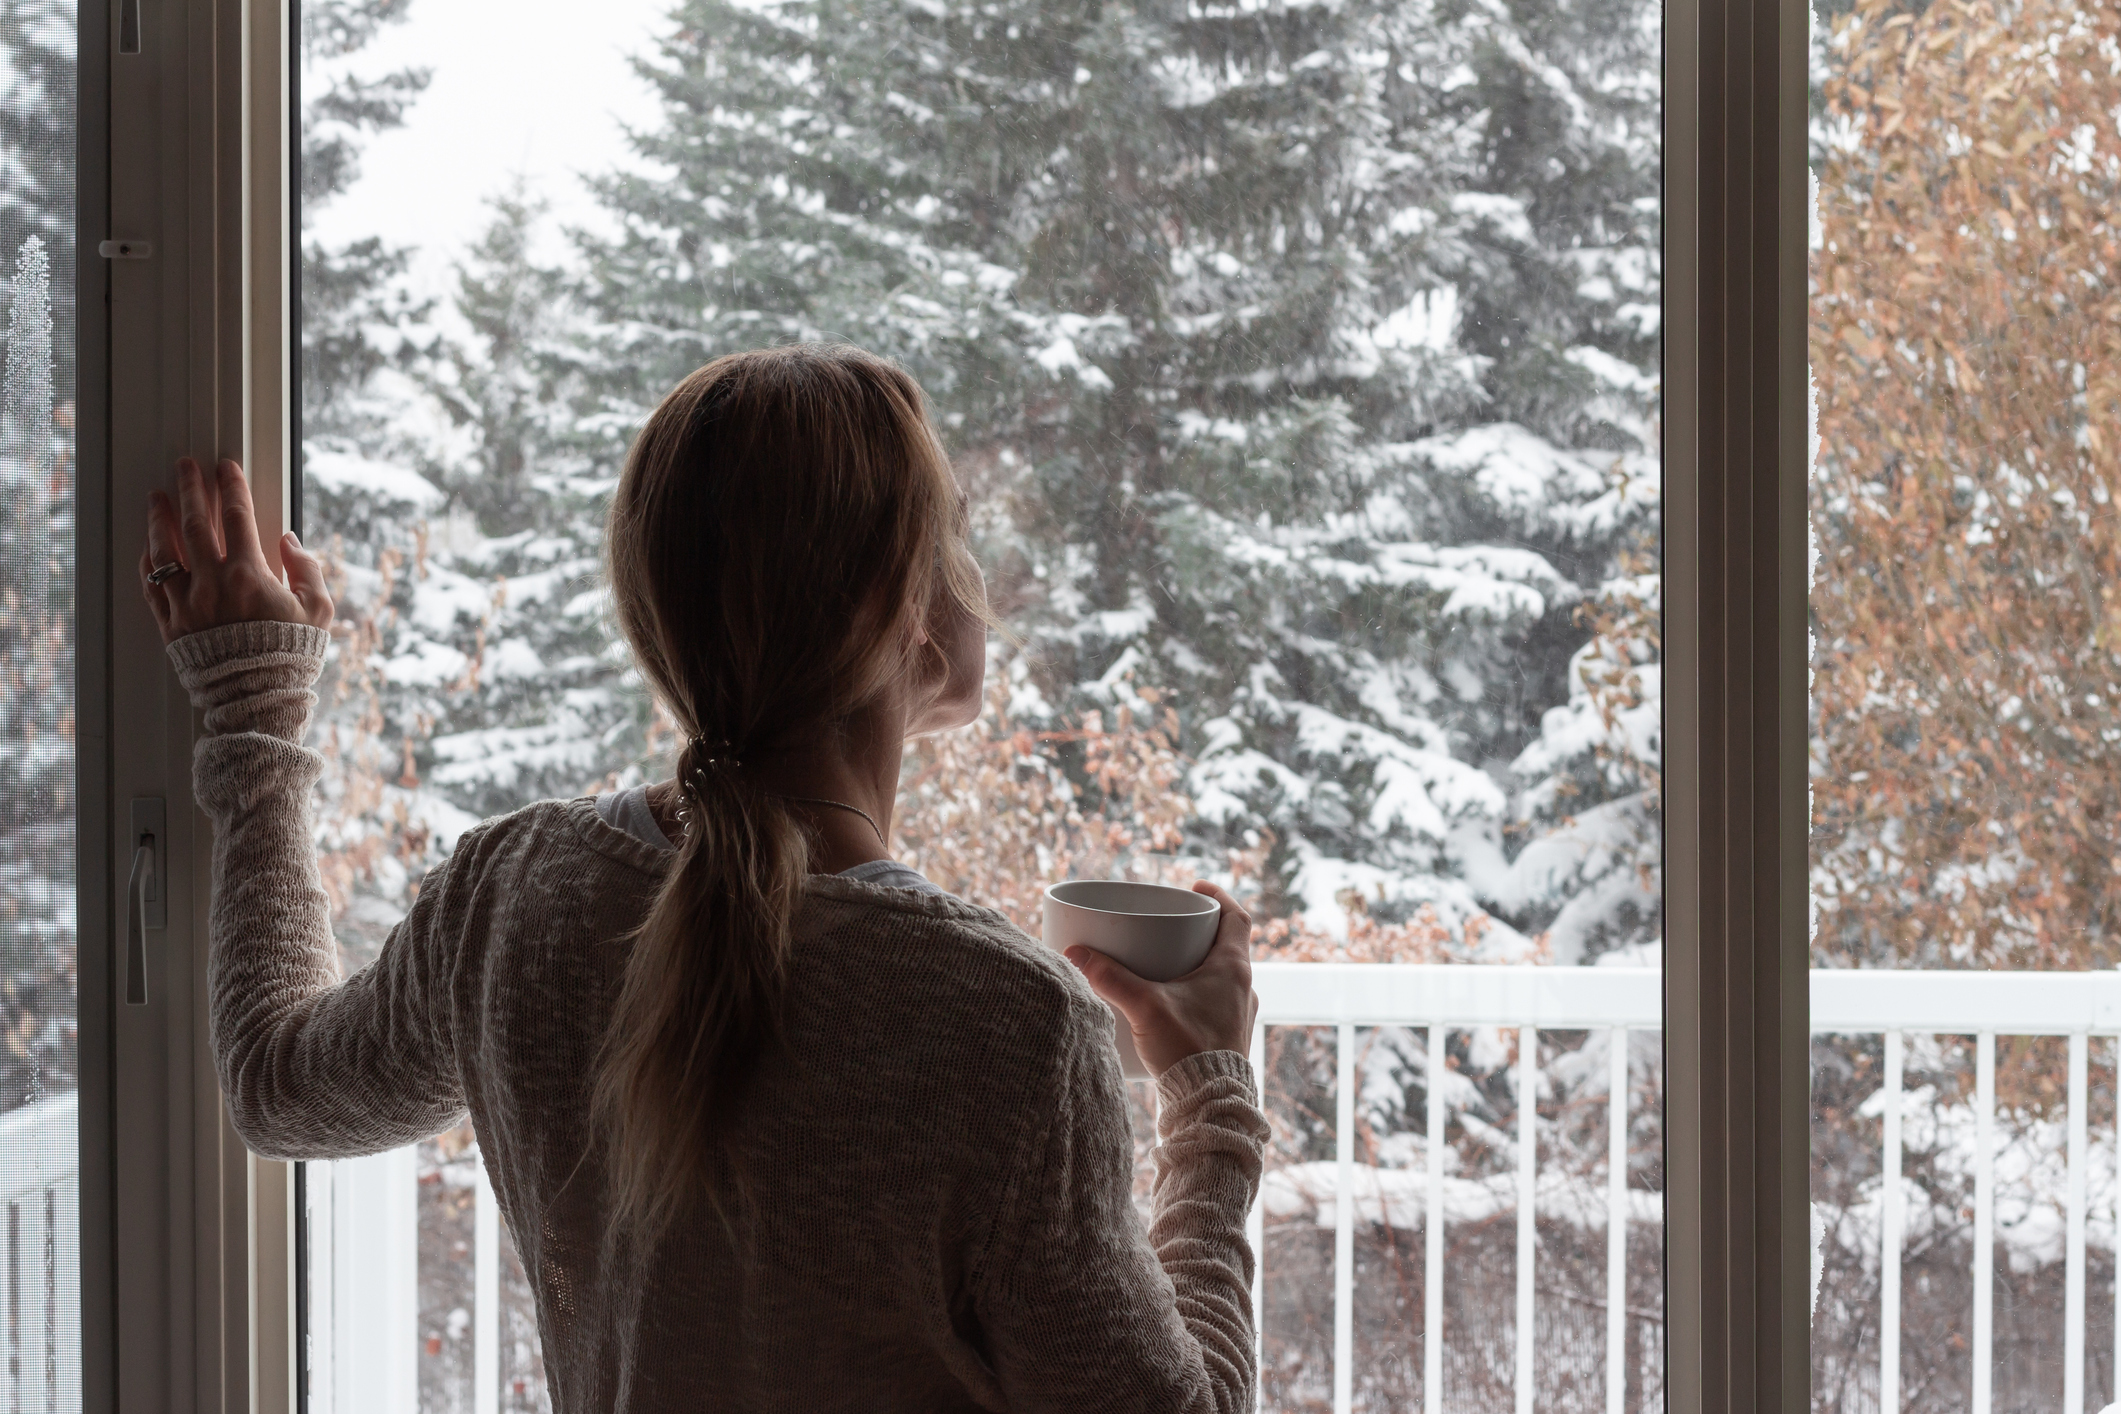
(1398,1197)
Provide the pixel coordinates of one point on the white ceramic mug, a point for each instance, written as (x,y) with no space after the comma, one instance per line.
(1158,932)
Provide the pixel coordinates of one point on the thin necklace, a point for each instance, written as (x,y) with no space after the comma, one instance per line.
(836,805)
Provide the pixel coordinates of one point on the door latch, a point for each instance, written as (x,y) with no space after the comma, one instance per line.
(146,896)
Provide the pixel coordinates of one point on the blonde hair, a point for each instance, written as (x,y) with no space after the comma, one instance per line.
(785,520)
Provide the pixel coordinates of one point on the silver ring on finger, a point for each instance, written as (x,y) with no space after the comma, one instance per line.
(162,572)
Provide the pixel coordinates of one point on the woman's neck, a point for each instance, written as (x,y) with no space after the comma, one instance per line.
(855,767)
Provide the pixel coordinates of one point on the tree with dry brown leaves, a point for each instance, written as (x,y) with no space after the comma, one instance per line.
(1966,599)
(996,812)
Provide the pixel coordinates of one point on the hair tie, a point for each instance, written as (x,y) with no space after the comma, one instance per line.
(717,754)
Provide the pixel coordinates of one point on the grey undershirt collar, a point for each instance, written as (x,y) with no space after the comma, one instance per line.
(628,810)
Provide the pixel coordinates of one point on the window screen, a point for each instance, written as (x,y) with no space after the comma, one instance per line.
(40,1216)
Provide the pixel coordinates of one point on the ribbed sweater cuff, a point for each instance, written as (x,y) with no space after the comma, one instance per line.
(200,652)
(1180,1082)
(253,676)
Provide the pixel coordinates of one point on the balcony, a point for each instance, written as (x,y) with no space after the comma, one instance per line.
(40,1258)
(365,1343)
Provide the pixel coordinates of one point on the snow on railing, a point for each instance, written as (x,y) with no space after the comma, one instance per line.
(367,1277)
(1442,999)
(40,1256)
(1984,1005)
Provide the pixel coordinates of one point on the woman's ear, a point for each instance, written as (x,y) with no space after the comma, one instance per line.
(913,629)
(961,639)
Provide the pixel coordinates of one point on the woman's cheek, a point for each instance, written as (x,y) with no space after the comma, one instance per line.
(970,678)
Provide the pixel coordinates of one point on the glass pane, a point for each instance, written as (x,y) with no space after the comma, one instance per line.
(1966,847)
(1302,365)
(40,1214)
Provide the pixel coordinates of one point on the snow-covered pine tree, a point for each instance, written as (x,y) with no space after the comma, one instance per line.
(548,703)
(473,670)
(1308,350)
(37,787)
(780,198)
(479,669)
(476,670)
(358,342)
(38,80)
(1228,317)
(29,452)
(356,317)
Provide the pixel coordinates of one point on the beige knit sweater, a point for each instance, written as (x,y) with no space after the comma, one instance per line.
(936,1212)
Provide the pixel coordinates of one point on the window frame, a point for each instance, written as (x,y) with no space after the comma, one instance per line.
(1737,1132)
(188,1241)
(96,908)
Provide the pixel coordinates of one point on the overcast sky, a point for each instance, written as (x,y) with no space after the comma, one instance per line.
(536,88)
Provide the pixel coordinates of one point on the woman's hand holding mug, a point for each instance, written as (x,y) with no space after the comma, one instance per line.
(203,565)
(1211,1008)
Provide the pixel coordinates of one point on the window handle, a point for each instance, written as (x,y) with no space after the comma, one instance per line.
(137,889)
(145,904)
(128,26)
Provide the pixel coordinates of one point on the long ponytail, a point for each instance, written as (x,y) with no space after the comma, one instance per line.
(782,516)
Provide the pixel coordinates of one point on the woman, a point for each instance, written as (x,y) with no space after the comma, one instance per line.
(775,1122)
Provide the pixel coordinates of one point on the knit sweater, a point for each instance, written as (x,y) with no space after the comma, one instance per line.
(929,1200)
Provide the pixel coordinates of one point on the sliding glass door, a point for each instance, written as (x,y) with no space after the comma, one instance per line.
(1966,841)
(1303,365)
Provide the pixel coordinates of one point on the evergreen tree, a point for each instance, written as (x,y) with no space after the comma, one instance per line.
(550,704)
(37,777)
(472,669)
(357,333)
(777,201)
(1305,352)
(38,80)
(37,789)
(479,669)
(356,316)
(1301,360)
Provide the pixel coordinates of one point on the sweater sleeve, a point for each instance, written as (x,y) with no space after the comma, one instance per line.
(312,1068)
(1082,1310)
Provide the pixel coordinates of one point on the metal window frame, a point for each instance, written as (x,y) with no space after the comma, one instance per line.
(1737,1081)
(187,1242)
(96,907)
(188,1247)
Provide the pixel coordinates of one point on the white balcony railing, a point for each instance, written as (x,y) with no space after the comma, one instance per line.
(40,1257)
(368,1268)
(1441,999)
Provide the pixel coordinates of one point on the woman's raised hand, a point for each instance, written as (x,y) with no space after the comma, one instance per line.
(222,575)
(1209,1009)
